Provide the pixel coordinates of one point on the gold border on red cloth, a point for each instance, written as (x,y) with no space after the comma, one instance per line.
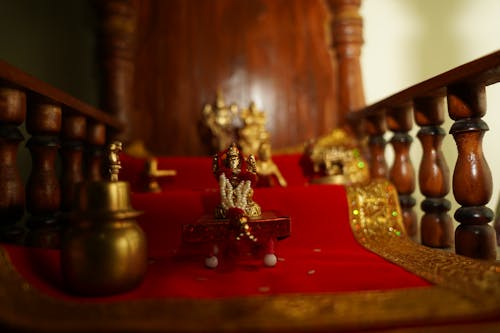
(465,290)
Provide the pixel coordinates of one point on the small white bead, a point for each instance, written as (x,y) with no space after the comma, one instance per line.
(211,262)
(270,260)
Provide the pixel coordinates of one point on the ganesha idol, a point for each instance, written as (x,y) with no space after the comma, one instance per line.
(238,223)
(236,178)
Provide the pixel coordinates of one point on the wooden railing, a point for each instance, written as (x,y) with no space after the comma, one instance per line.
(56,123)
(464,90)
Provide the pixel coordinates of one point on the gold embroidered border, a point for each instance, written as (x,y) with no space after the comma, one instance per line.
(24,308)
(466,290)
(377,225)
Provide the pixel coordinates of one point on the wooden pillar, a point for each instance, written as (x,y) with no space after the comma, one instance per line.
(12,114)
(402,173)
(43,193)
(376,127)
(119,29)
(347,36)
(472,181)
(73,135)
(436,227)
(96,139)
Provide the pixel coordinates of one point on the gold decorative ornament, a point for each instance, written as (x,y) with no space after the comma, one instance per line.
(114,163)
(336,159)
(219,119)
(103,250)
(152,173)
(376,222)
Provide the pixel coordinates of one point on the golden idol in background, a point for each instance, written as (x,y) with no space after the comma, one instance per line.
(103,250)
(219,119)
(253,133)
(267,170)
(336,159)
(255,140)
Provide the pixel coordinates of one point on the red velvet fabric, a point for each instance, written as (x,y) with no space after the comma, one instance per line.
(321,256)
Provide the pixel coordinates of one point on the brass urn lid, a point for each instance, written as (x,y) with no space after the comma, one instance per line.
(106,198)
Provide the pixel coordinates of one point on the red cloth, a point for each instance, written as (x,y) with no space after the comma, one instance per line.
(321,256)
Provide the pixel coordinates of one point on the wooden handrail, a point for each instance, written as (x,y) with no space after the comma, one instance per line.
(485,70)
(15,78)
(56,124)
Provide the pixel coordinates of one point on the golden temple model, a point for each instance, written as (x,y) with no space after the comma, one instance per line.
(336,159)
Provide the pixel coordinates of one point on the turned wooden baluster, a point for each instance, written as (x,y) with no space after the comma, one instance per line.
(402,173)
(12,114)
(375,127)
(472,181)
(436,227)
(43,194)
(96,139)
(73,134)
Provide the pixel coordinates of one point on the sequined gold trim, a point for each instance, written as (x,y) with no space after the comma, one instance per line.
(377,224)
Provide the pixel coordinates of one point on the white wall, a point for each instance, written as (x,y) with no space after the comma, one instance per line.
(407,41)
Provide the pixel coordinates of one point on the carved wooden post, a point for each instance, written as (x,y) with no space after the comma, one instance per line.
(119,46)
(96,139)
(73,134)
(347,35)
(472,187)
(402,173)
(434,176)
(375,127)
(43,194)
(12,114)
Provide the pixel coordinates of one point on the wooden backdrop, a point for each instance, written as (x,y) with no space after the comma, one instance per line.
(165,59)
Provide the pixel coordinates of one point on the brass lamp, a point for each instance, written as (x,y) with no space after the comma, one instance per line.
(103,249)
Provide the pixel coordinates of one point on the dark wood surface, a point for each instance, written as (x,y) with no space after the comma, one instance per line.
(276,53)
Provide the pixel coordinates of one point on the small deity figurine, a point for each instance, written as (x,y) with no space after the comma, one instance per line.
(219,121)
(253,133)
(239,227)
(236,178)
(266,169)
(114,150)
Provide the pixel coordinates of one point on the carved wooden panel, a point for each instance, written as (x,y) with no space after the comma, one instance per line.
(274,52)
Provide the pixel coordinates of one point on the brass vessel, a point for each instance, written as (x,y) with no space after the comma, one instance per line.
(103,249)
